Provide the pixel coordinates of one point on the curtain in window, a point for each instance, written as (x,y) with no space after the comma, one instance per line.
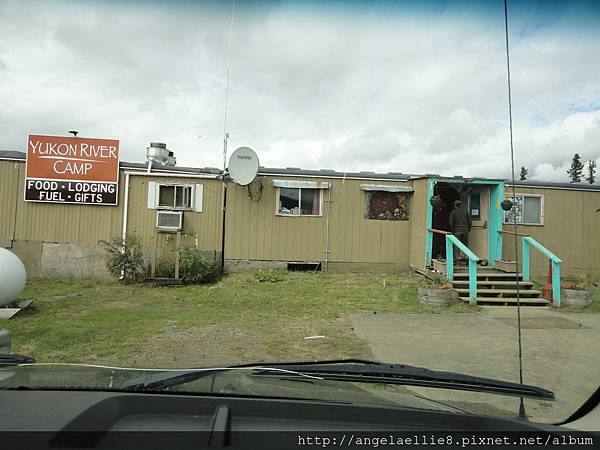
(315,203)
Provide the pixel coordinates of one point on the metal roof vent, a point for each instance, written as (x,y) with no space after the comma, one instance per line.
(158,152)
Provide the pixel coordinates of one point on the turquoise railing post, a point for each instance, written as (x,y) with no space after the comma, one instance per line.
(449,260)
(452,240)
(528,242)
(473,281)
(525,260)
(556,282)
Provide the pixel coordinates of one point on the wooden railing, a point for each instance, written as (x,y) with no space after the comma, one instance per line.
(433,230)
(452,240)
(528,242)
(514,233)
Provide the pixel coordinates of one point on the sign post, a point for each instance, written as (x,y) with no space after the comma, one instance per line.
(72,170)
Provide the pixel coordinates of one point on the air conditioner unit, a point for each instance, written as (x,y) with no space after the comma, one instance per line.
(169,220)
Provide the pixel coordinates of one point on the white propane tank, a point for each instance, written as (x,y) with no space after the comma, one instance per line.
(12,277)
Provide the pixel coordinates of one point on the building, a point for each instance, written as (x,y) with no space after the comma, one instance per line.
(335,221)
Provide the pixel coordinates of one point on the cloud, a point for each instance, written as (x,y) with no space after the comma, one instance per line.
(374,87)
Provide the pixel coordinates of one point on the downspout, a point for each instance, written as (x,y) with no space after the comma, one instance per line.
(14,233)
(327,251)
(125,208)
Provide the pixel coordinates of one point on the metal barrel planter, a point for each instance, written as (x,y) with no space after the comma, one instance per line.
(434,297)
(576,299)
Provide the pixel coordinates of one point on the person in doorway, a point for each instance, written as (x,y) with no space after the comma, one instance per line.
(460,224)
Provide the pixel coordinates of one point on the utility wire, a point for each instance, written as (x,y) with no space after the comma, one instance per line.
(514,215)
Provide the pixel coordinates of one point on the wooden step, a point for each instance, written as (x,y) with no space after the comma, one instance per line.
(528,292)
(523,284)
(488,275)
(508,300)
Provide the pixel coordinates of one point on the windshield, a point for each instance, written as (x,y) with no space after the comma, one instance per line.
(193,185)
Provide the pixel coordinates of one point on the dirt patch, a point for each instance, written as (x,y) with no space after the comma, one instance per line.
(214,345)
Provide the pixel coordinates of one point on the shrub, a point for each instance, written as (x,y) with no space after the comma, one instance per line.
(437,282)
(127,260)
(165,269)
(196,268)
(576,282)
(267,275)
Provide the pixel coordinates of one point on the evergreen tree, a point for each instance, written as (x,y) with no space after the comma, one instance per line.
(591,170)
(523,174)
(576,169)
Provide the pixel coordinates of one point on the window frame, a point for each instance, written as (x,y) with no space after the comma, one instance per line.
(190,188)
(278,201)
(371,192)
(522,194)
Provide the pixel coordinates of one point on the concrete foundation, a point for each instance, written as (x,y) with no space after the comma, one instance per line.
(236,265)
(73,261)
(63,260)
(358,267)
(30,253)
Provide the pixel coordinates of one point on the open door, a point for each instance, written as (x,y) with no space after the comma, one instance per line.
(478,201)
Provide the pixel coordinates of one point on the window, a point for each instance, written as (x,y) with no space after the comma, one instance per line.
(384,205)
(528,210)
(475,206)
(299,202)
(173,196)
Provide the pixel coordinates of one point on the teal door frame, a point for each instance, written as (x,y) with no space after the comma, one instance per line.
(494,219)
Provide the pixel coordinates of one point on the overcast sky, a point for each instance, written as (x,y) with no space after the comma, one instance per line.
(414,87)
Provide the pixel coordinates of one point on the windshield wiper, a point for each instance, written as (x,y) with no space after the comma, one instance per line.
(165,380)
(357,370)
(374,372)
(15,360)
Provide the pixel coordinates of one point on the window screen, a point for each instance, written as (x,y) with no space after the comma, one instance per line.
(532,210)
(166,195)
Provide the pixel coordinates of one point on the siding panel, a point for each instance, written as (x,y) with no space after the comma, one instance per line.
(570,230)
(352,237)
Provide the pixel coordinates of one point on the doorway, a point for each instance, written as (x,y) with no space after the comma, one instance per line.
(476,199)
(440,215)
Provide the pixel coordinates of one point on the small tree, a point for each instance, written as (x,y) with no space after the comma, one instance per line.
(576,169)
(126,260)
(591,170)
(523,174)
(196,268)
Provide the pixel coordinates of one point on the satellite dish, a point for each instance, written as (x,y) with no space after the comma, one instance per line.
(243,165)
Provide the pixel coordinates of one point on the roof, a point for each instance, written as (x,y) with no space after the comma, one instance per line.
(176,169)
(129,165)
(549,184)
(329,173)
(4,154)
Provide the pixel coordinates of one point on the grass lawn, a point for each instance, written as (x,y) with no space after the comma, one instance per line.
(235,320)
